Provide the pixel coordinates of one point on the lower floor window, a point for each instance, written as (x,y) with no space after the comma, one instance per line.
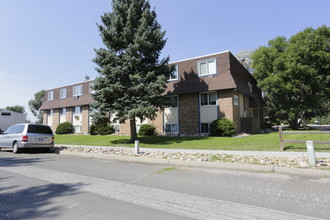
(77,129)
(205,128)
(172,128)
(116,127)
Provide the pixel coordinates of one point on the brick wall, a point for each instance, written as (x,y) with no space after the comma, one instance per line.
(188,114)
(56,119)
(85,119)
(158,122)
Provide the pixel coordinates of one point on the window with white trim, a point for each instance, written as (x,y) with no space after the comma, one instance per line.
(62,111)
(91,90)
(207,67)
(236,101)
(205,128)
(174,101)
(63,93)
(172,128)
(77,90)
(77,110)
(250,86)
(50,95)
(77,129)
(116,127)
(50,112)
(175,73)
(208,98)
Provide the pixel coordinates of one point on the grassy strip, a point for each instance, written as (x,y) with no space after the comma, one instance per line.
(259,142)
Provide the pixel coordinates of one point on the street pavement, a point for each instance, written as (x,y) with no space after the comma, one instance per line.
(52,186)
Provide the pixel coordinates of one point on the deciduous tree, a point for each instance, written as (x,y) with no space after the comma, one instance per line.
(294,75)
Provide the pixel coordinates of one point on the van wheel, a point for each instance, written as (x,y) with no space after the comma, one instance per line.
(15,148)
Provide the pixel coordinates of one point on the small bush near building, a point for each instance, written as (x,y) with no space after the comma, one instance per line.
(101,129)
(65,128)
(106,130)
(222,127)
(147,130)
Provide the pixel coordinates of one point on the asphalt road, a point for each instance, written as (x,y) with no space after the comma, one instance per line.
(50,186)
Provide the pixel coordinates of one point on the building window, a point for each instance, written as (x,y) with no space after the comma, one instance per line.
(77,129)
(250,86)
(62,111)
(173,101)
(50,95)
(172,128)
(205,128)
(63,93)
(175,73)
(50,112)
(207,67)
(91,90)
(77,90)
(77,110)
(236,101)
(208,98)
(116,127)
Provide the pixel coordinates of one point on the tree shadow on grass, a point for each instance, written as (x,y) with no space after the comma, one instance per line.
(33,202)
(159,140)
(302,147)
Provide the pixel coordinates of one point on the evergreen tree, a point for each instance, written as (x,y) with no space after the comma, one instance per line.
(132,76)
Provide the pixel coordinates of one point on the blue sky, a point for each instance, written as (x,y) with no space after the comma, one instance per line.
(48,44)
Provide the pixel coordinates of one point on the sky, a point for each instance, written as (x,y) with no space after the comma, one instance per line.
(49,44)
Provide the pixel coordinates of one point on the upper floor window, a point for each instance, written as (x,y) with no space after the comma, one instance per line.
(207,67)
(50,95)
(63,93)
(91,90)
(208,98)
(77,90)
(175,73)
(173,101)
(236,101)
(250,86)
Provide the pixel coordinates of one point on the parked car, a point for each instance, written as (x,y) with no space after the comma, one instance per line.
(27,135)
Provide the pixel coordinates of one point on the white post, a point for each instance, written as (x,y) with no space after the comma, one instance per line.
(311,153)
(137,147)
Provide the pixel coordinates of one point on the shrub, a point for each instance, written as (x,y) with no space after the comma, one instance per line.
(93,129)
(64,128)
(101,129)
(106,130)
(222,127)
(147,130)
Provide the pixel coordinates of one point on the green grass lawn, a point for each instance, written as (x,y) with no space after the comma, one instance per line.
(258,142)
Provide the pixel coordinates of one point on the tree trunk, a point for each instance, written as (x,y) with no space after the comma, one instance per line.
(133,130)
(294,124)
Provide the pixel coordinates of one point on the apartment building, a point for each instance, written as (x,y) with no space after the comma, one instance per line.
(201,90)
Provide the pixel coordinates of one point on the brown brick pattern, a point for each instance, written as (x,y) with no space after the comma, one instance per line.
(188,114)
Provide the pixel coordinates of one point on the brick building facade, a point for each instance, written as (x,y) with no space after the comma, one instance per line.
(202,89)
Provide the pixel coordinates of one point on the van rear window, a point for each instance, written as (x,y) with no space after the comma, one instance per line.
(41,129)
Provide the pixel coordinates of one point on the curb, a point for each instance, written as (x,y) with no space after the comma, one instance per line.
(203,164)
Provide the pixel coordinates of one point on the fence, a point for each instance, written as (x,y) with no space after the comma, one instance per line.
(282,140)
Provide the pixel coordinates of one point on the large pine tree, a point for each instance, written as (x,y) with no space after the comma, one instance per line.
(132,75)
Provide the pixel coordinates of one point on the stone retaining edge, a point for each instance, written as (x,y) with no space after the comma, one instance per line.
(226,166)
